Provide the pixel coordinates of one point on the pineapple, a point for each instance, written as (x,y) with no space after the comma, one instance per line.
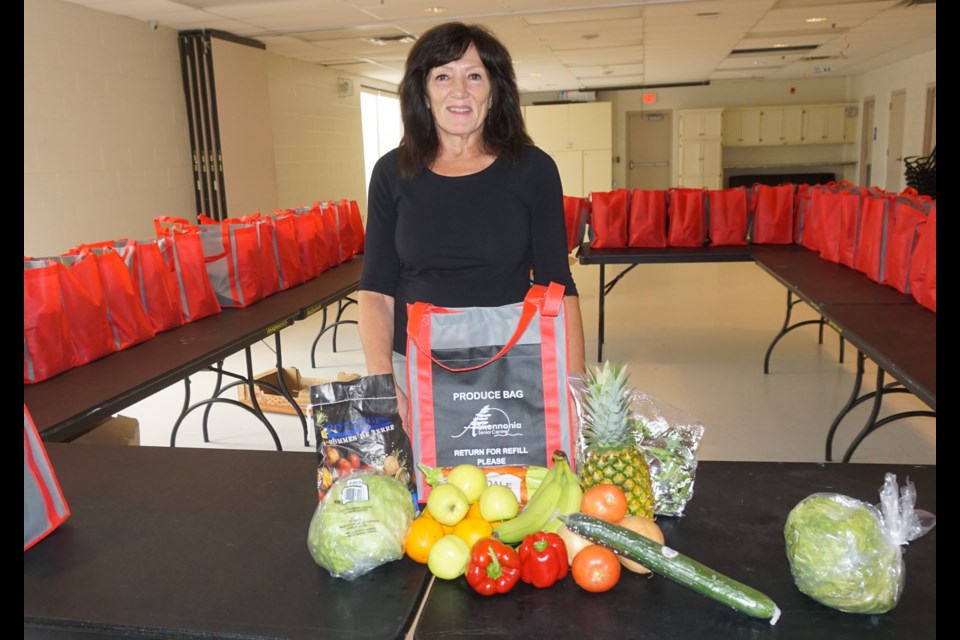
(611,453)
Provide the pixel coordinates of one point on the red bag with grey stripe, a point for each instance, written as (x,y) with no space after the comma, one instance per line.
(488,385)
(44,507)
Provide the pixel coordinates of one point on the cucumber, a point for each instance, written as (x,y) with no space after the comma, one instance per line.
(674,565)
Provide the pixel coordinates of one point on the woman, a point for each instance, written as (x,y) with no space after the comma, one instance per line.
(466,208)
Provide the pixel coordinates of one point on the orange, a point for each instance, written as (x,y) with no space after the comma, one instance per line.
(426,514)
(423,533)
(472,529)
(474,511)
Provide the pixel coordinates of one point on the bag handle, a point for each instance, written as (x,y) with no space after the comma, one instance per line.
(546,299)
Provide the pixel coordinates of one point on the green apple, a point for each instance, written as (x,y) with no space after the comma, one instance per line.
(447,504)
(470,478)
(498,502)
(448,556)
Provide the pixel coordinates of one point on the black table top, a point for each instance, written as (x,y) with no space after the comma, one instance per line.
(68,404)
(900,338)
(733,524)
(199,543)
(820,281)
(657,255)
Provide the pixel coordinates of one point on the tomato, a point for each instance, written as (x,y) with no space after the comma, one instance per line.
(605,501)
(596,569)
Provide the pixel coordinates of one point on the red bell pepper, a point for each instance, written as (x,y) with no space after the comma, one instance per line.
(543,559)
(493,568)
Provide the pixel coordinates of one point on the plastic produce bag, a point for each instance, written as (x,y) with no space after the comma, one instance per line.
(846,554)
(669,440)
(360,524)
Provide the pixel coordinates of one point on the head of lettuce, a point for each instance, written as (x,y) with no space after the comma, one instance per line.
(846,554)
(362,523)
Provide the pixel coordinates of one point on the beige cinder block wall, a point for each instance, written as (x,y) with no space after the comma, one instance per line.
(105,142)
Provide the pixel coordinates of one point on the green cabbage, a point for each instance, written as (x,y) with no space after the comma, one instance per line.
(361,524)
(841,556)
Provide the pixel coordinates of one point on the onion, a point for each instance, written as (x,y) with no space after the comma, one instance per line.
(645,527)
(572,541)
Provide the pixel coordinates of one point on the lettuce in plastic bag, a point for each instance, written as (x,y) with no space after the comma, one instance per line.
(361,524)
(846,554)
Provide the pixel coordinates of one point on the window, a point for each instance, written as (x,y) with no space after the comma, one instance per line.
(382,128)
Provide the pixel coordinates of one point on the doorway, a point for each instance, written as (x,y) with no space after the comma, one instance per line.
(649,136)
(868,136)
(895,168)
(930,121)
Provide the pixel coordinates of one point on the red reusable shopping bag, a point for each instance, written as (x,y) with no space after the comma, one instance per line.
(287,250)
(155,281)
(807,224)
(727,216)
(128,319)
(608,218)
(312,241)
(44,507)
(923,264)
(851,203)
(772,214)
(647,221)
(909,215)
(269,260)
(232,255)
(686,217)
(575,212)
(356,221)
(876,223)
(183,252)
(86,308)
(47,349)
(346,231)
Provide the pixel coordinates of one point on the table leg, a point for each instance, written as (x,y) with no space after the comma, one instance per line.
(601,295)
(286,392)
(786,328)
(853,401)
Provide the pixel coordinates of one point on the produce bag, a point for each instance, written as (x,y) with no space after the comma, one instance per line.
(358,427)
(846,554)
(669,440)
(360,524)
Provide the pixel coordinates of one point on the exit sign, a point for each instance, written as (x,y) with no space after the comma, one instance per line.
(649,98)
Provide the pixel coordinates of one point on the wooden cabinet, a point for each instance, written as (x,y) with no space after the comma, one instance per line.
(700,153)
(770,126)
(781,125)
(701,123)
(829,124)
(741,127)
(701,164)
(579,137)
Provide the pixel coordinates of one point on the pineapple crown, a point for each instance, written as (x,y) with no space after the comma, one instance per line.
(606,408)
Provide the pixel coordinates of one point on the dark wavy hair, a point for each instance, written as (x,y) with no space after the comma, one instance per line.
(504,134)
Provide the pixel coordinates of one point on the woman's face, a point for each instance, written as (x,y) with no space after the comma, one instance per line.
(459,96)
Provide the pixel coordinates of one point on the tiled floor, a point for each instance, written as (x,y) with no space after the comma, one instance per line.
(694,336)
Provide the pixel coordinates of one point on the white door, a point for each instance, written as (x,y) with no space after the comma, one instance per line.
(648,150)
(895,167)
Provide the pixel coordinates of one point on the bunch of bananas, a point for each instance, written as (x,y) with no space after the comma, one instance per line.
(558,495)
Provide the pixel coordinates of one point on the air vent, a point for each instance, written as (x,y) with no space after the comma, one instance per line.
(760,50)
(385,40)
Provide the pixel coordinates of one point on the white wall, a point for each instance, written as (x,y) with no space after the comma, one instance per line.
(914,75)
(317,134)
(105,142)
(246,131)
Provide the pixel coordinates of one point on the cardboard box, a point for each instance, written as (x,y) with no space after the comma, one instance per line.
(117,430)
(298,386)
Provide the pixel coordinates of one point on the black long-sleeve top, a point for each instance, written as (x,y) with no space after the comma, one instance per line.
(465,241)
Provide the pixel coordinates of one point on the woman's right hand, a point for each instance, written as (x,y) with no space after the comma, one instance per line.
(403,408)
